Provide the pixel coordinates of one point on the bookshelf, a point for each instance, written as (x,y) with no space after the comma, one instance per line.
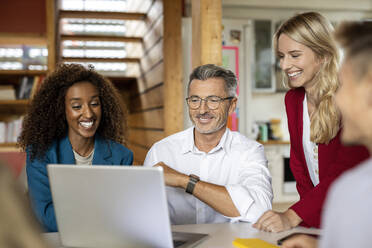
(30,27)
(13,107)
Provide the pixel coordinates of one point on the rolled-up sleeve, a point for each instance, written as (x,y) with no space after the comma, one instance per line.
(251,191)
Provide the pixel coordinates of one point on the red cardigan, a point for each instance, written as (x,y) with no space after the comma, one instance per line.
(334,159)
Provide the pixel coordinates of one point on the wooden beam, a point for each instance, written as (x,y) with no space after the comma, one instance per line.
(100,38)
(172,50)
(51,21)
(85,59)
(102,15)
(206,32)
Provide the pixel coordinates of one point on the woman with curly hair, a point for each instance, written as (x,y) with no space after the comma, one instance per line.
(75,118)
(309,61)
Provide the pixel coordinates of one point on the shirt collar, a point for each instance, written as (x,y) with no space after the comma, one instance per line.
(189,144)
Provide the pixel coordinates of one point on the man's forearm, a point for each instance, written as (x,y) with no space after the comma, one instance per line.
(217,197)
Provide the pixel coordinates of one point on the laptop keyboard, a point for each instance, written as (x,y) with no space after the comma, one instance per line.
(177,243)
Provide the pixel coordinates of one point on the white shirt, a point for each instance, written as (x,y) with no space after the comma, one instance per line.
(236,162)
(347,216)
(310,148)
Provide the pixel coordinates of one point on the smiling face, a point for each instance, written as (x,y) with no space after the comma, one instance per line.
(354,101)
(299,62)
(83,110)
(209,121)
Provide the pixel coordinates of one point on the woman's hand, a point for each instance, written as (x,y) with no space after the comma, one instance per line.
(272,221)
(300,241)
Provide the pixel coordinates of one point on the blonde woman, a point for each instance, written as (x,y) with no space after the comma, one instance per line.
(309,61)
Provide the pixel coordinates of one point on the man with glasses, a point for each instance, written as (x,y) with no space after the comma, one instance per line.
(213,174)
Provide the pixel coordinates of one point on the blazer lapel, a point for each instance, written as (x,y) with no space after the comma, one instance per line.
(65,154)
(102,152)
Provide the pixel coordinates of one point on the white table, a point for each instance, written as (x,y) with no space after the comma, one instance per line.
(220,235)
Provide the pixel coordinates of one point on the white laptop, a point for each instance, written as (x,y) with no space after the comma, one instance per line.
(113,206)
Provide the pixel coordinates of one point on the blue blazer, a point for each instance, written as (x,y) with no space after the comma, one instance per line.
(106,152)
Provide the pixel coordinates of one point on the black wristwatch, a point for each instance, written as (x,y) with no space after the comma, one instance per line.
(193,179)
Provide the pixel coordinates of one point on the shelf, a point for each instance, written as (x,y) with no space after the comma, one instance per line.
(100,38)
(101,15)
(23,72)
(16,107)
(274,142)
(8,144)
(9,147)
(23,39)
(111,60)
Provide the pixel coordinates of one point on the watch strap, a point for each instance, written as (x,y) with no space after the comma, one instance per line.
(193,179)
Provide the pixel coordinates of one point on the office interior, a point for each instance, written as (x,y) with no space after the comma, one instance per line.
(147,48)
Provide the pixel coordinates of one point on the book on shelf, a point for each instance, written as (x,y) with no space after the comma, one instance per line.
(36,86)
(28,86)
(7,92)
(9,131)
(25,87)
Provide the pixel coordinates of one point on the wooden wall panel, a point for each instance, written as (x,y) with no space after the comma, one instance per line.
(145,138)
(139,153)
(154,34)
(152,119)
(146,118)
(155,12)
(150,99)
(154,56)
(150,79)
(155,76)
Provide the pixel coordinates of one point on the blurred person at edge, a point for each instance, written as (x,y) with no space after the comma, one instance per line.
(18,227)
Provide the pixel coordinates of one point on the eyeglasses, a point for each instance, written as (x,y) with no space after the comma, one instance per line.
(213,102)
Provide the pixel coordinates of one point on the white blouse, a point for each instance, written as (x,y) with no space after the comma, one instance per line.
(310,148)
(80,160)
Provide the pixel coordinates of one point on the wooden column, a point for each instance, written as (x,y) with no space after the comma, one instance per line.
(172,50)
(206,32)
(51,33)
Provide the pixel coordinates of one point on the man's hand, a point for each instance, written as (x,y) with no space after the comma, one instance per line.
(301,241)
(272,221)
(173,177)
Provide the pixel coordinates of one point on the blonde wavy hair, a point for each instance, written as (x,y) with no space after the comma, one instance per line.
(315,31)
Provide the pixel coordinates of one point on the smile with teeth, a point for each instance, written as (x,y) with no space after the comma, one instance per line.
(86,124)
(294,74)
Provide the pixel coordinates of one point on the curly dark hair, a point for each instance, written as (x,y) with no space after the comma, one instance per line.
(46,122)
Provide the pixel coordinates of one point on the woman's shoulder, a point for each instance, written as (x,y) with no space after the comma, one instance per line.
(117,147)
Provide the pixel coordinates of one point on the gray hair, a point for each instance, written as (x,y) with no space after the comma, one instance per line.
(207,71)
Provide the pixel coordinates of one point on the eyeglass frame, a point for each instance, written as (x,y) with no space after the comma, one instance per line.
(220,99)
